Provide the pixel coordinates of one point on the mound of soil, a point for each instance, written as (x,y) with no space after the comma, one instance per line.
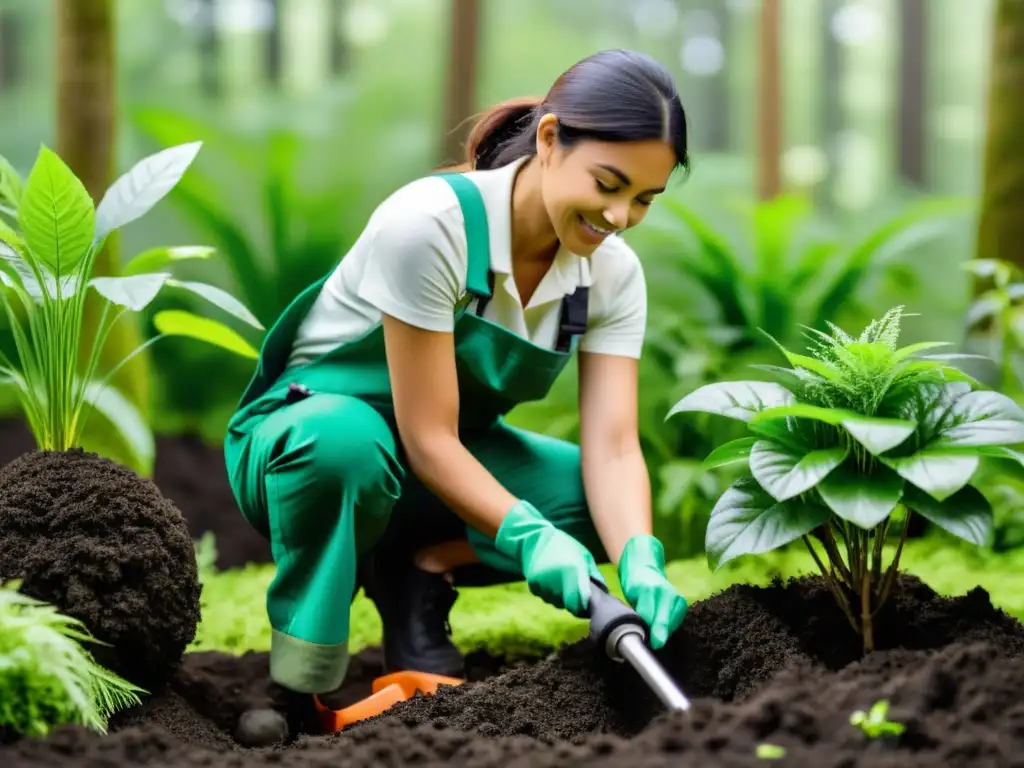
(192,475)
(103,545)
(769,665)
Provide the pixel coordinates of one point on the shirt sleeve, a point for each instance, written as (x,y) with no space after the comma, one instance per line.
(414,271)
(618,305)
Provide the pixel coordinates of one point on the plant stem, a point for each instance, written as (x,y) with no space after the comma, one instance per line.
(829,542)
(880,532)
(833,587)
(890,575)
(867,630)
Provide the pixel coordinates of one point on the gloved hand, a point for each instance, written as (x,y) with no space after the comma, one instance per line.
(649,592)
(556,566)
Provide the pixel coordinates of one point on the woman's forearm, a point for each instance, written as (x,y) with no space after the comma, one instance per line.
(618,489)
(455,476)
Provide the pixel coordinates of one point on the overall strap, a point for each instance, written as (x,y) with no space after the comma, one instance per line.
(573,320)
(479,278)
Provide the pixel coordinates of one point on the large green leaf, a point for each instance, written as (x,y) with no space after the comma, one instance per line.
(143,186)
(785,473)
(981,418)
(747,521)
(127,420)
(966,514)
(739,400)
(874,433)
(863,499)
(940,473)
(730,453)
(176,322)
(134,292)
(219,298)
(156,259)
(56,216)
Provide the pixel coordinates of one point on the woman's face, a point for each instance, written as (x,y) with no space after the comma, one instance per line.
(598,188)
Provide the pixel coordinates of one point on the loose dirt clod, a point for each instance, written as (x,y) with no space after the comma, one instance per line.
(102,544)
(772,665)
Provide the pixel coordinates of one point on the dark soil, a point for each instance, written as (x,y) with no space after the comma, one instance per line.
(762,665)
(193,477)
(104,546)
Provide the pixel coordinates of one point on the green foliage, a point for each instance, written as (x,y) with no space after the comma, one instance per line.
(793,267)
(859,430)
(46,268)
(997,313)
(995,324)
(298,234)
(47,678)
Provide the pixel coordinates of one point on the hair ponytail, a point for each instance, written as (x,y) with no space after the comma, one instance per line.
(502,133)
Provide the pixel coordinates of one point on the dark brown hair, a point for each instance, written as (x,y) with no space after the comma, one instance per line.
(614,96)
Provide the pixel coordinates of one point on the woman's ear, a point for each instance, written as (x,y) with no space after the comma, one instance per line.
(547,137)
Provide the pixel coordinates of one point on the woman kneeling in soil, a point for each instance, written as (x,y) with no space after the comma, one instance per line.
(370,447)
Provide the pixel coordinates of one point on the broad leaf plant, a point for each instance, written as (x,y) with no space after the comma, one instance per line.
(49,241)
(847,439)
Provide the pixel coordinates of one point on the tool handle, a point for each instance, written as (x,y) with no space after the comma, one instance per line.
(607,613)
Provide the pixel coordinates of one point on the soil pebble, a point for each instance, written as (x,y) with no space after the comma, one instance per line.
(765,667)
(261,728)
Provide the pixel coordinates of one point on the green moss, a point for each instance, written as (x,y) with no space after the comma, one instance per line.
(509,620)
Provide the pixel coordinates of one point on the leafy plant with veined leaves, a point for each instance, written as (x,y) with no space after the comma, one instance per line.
(850,436)
(46,270)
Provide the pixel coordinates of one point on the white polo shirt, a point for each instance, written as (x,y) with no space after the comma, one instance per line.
(410,262)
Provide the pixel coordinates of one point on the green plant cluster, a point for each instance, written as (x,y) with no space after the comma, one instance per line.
(46,270)
(858,432)
(47,678)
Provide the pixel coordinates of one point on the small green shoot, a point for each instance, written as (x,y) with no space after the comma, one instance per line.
(770,751)
(874,722)
(47,679)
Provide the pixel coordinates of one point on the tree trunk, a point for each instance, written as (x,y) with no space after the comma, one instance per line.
(11,50)
(86,141)
(1001,227)
(463,65)
(913,90)
(272,48)
(769,101)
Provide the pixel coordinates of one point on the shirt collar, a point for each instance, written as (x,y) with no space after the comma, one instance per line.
(568,271)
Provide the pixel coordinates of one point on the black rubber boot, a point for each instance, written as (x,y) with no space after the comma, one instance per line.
(414,606)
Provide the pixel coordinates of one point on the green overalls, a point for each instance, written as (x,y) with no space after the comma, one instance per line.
(316,466)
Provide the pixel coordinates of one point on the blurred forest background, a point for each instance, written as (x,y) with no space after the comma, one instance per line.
(839,167)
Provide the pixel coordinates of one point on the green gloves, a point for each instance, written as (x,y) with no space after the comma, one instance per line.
(557,568)
(642,576)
